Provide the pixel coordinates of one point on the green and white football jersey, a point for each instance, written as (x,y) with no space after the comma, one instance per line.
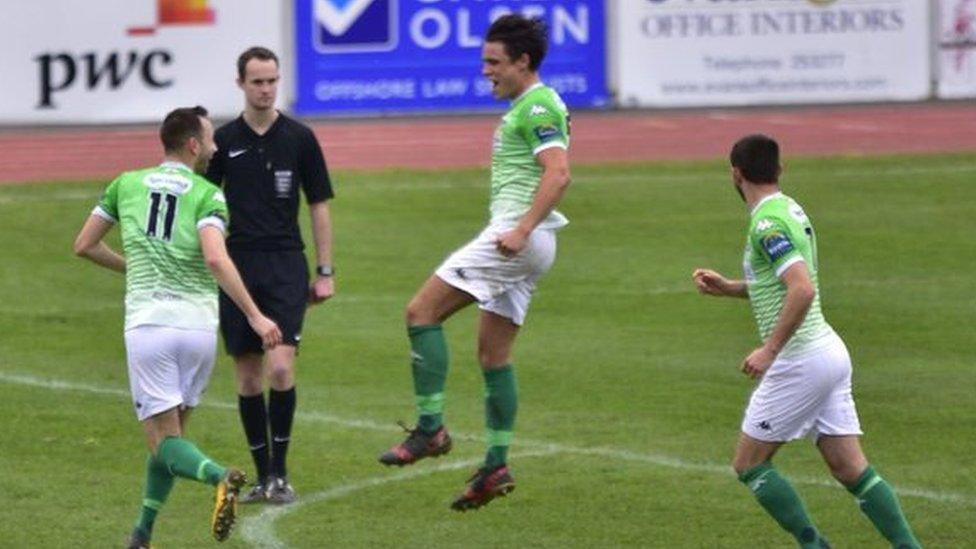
(780,234)
(537,120)
(160,210)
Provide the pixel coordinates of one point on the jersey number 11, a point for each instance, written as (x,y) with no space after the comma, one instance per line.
(152,223)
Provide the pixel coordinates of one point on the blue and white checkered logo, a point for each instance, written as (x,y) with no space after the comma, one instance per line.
(354,25)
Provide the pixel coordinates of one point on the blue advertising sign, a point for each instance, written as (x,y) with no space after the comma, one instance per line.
(383,56)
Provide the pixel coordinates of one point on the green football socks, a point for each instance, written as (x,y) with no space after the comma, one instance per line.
(428,352)
(430,360)
(159,483)
(185,460)
(501,405)
(781,501)
(879,502)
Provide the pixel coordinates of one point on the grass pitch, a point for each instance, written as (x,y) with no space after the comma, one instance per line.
(630,397)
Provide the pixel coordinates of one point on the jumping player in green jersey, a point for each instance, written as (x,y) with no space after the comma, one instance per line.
(803,366)
(172,222)
(500,268)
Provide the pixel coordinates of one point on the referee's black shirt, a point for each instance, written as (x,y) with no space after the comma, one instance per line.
(260,175)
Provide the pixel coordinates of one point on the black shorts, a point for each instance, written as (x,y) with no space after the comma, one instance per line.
(278,282)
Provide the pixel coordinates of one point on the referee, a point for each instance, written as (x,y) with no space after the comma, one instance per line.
(263,158)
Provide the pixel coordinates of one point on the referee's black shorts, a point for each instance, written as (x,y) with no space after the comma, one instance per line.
(278,282)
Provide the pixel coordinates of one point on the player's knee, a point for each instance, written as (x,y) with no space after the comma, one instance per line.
(846,473)
(485,358)
(281,376)
(249,382)
(490,359)
(846,466)
(739,467)
(743,464)
(249,386)
(417,314)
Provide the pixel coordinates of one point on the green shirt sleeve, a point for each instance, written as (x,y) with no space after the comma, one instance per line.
(542,125)
(109,203)
(776,241)
(213,205)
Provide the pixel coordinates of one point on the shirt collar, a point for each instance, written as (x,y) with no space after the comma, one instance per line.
(526,92)
(273,127)
(175,164)
(765,199)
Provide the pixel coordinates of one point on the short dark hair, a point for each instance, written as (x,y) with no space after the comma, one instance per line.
(180,125)
(254,52)
(757,157)
(520,35)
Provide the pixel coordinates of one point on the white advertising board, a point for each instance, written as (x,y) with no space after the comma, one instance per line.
(956,47)
(745,52)
(68,62)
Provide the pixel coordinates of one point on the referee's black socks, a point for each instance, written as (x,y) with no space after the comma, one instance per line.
(281,412)
(254,417)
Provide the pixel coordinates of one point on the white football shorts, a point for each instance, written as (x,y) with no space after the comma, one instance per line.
(168,367)
(808,395)
(502,285)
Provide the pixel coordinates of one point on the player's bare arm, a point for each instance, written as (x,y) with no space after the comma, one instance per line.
(224,271)
(89,244)
(552,185)
(800,294)
(709,282)
(323,287)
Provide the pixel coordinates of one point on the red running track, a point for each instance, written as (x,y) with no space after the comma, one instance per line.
(44,154)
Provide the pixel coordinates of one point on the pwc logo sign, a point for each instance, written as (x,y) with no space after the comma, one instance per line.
(62,71)
(354,25)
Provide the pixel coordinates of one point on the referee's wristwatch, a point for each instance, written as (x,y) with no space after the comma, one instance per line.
(324,270)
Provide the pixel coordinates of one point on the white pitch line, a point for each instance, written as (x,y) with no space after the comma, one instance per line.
(259,530)
(534,445)
(65,196)
(677,463)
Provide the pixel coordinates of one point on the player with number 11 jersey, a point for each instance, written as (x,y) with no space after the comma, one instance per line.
(163,208)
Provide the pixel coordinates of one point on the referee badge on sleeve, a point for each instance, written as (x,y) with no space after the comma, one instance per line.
(282,183)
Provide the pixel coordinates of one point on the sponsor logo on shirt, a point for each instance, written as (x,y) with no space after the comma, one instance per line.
(546,132)
(171,182)
(166,296)
(776,245)
(538,110)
